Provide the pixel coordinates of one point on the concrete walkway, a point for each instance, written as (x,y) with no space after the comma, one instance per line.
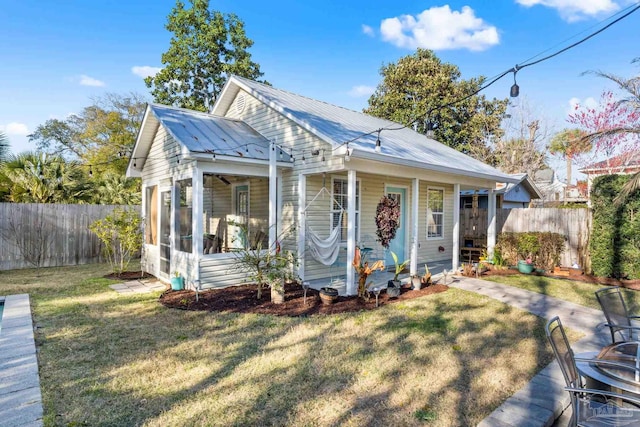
(543,400)
(142,286)
(20,398)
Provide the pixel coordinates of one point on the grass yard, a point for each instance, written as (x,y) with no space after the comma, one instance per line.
(109,359)
(569,290)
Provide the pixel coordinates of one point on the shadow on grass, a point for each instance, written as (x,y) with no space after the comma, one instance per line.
(109,359)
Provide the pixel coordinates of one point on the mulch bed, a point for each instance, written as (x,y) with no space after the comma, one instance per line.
(605,281)
(242,299)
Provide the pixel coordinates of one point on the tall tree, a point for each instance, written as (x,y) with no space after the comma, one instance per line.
(102,135)
(4,146)
(617,124)
(420,89)
(569,143)
(612,126)
(206,47)
(520,152)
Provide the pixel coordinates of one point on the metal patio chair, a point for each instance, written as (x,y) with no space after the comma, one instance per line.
(619,321)
(591,408)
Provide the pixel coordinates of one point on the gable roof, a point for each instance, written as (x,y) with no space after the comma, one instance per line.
(199,133)
(630,160)
(336,125)
(523,180)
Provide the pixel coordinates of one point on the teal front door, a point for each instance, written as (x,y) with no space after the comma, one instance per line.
(397,245)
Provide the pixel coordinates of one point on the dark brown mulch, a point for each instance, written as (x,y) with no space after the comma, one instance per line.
(242,299)
(605,281)
(129,275)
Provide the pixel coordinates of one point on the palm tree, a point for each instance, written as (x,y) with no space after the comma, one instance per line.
(43,178)
(4,146)
(116,189)
(569,143)
(631,100)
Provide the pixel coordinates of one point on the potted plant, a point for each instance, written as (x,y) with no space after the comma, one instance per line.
(328,295)
(393,286)
(363,269)
(177,282)
(526,266)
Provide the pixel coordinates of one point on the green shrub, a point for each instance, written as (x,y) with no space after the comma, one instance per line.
(544,248)
(121,235)
(615,234)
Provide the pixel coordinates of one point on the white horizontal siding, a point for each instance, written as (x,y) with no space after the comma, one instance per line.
(222,270)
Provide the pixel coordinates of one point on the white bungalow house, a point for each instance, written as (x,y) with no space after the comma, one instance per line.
(275,162)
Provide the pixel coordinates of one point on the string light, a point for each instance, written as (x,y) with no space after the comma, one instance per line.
(378,148)
(515,90)
(304,161)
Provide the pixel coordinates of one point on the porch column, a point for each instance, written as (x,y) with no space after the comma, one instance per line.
(302,222)
(198,229)
(415,217)
(273,201)
(455,260)
(491,223)
(351,231)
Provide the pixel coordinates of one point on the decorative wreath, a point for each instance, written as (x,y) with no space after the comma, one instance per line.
(387,220)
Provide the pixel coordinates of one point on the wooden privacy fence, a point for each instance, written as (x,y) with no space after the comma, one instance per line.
(574,224)
(49,235)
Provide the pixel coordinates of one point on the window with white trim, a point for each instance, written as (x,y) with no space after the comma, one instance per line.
(340,192)
(435,213)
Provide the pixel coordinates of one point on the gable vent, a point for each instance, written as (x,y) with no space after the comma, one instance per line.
(240,101)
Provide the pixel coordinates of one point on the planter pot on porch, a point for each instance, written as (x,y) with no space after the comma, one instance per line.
(177,283)
(525,268)
(416,283)
(328,295)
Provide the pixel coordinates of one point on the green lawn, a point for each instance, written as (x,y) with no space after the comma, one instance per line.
(109,359)
(569,290)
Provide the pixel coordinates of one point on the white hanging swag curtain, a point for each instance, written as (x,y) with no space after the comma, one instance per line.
(325,251)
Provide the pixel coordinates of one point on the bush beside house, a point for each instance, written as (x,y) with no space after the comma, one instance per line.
(615,237)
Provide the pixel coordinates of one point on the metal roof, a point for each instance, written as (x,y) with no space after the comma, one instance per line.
(336,125)
(202,132)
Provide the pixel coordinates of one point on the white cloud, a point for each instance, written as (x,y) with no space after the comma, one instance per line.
(145,70)
(368,30)
(15,128)
(90,81)
(440,28)
(575,103)
(361,90)
(575,10)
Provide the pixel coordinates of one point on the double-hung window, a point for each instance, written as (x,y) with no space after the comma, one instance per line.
(340,191)
(435,213)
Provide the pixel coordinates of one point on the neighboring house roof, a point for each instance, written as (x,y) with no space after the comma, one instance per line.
(549,184)
(524,181)
(627,162)
(336,125)
(544,176)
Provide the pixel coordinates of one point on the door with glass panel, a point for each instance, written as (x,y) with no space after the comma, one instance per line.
(165,232)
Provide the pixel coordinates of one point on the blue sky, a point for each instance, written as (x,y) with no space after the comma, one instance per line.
(57,55)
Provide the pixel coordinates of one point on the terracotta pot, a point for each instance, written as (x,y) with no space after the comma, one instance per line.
(328,295)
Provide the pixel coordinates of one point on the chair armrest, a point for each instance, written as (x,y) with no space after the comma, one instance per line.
(625,397)
(608,362)
(608,325)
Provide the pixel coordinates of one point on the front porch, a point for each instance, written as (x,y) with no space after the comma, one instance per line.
(380,278)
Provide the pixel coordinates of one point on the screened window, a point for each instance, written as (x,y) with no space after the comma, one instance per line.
(184,215)
(435,213)
(151,215)
(340,191)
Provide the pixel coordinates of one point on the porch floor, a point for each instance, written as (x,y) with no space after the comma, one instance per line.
(379,278)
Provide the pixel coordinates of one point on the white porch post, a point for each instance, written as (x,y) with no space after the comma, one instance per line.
(198,227)
(415,216)
(302,222)
(455,260)
(279,229)
(351,231)
(491,223)
(273,202)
